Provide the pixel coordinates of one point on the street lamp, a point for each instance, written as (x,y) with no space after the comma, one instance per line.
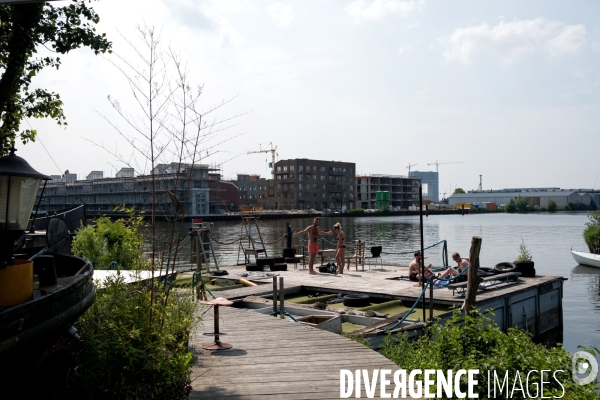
(19,184)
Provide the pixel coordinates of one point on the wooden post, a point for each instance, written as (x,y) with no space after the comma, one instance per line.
(274,294)
(281,306)
(474,280)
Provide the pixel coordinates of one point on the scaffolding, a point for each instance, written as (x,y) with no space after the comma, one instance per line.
(202,252)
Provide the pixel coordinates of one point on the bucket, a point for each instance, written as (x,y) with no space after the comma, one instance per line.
(16,283)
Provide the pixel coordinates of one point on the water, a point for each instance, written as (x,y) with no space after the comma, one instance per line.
(549,237)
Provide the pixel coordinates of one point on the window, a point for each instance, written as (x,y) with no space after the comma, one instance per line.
(285,177)
(314,185)
(291,168)
(291,176)
(314,167)
(315,176)
(300,178)
(299,186)
(314,195)
(323,186)
(279,168)
(278,176)
(279,186)
(323,195)
(322,177)
(300,168)
(285,186)
(285,168)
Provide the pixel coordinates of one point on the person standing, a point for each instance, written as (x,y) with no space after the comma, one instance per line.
(340,250)
(313,244)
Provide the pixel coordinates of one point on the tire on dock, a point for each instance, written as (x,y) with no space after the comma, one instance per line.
(357,300)
(254,267)
(279,267)
(504,267)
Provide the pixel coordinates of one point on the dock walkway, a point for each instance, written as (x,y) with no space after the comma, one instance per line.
(273,358)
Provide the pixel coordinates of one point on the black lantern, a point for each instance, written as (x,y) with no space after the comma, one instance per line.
(19,185)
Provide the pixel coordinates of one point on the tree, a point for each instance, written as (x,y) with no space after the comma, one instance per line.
(458,191)
(552,205)
(23,28)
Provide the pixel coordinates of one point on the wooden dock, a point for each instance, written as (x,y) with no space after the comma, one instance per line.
(273,358)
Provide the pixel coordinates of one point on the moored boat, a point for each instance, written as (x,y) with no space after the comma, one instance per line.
(589,259)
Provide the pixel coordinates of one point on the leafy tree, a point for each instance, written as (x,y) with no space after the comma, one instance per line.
(23,29)
(591,233)
(552,207)
(458,191)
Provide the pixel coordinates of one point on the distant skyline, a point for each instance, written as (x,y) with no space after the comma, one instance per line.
(508,88)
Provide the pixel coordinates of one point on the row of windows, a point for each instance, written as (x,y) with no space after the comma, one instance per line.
(302,168)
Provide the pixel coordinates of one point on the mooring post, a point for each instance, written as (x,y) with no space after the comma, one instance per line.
(422,245)
(462,207)
(281,306)
(275,294)
(473,279)
(431,301)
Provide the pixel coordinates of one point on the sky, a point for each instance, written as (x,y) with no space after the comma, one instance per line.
(504,89)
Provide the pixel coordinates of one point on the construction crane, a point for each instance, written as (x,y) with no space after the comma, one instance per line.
(273,151)
(449,162)
(410,165)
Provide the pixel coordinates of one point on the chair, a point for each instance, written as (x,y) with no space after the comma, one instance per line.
(299,255)
(358,256)
(375,254)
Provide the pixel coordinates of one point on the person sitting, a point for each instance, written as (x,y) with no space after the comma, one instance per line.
(414,269)
(451,272)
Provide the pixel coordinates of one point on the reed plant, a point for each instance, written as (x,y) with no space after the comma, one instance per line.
(476,342)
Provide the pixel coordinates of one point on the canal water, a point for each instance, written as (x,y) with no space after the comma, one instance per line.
(549,237)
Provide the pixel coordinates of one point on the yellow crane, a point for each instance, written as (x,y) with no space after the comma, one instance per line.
(448,162)
(273,151)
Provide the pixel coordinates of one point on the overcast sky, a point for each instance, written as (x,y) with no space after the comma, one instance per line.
(508,88)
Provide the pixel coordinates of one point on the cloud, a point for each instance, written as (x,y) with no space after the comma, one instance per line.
(508,40)
(362,11)
(281,14)
(404,48)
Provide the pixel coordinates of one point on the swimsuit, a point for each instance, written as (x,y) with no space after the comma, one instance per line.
(313,248)
(413,277)
(342,247)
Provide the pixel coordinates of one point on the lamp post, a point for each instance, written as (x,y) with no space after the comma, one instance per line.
(19,184)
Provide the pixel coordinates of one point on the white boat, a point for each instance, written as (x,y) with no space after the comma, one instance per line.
(589,259)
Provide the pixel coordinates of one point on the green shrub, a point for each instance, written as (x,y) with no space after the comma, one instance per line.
(591,233)
(552,207)
(475,342)
(120,241)
(524,253)
(356,210)
(133,346)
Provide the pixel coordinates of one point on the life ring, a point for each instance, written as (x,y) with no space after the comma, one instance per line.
(504,267)
(357,300)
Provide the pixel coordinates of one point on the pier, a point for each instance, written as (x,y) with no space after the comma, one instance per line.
(275,358)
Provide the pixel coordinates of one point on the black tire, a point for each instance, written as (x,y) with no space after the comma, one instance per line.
(279,267)
(279,260)
(289,252)
(356,300)
(253,267)
(505,267)
(323,268)
(487,270)
(265,262)
(484,274)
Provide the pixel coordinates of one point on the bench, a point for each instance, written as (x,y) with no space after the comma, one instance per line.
(509,277)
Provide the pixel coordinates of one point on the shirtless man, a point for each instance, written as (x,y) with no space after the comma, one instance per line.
(462,264)
(414,269)
(340,250)
(313,245)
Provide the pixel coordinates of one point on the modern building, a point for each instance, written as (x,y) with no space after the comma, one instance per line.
(189,184)
(309,184)
(125,173)
(404,191)
(535,196)
(95,175)
(432,179)
(248,189)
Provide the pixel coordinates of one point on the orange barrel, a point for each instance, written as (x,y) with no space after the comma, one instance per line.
(16,283)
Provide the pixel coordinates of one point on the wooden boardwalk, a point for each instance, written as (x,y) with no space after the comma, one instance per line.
(273,358)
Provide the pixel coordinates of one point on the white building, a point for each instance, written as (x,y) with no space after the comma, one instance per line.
(536,196)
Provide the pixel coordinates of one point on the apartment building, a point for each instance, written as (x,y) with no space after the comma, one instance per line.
(404,190)
(309,184)
(188,183)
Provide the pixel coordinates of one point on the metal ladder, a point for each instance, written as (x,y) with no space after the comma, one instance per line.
(251,230)
(204,249)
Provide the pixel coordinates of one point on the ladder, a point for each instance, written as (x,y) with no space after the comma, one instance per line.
(255,244)
(202,249)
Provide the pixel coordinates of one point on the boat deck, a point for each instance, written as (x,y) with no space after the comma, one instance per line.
(273,358)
